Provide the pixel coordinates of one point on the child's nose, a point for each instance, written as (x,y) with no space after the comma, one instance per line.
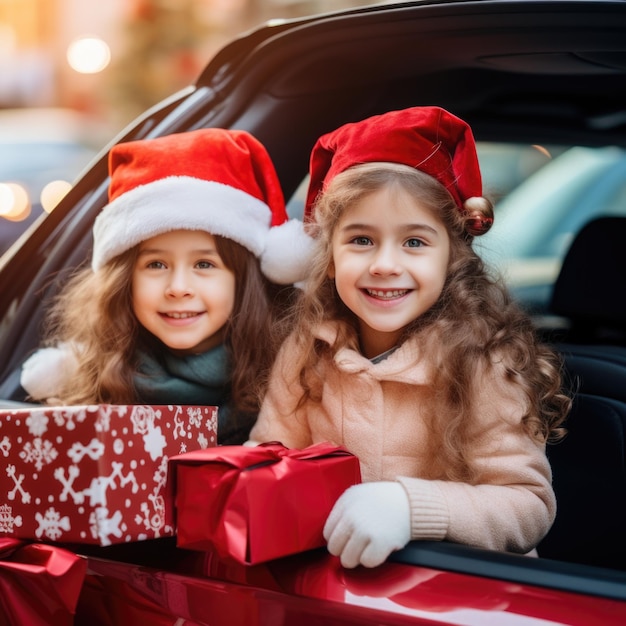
(179,284)
(385,261)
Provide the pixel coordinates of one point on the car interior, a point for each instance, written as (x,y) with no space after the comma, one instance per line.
(589,465)
(524,73)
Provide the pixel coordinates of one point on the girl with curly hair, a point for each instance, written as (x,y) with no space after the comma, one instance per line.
(408,353)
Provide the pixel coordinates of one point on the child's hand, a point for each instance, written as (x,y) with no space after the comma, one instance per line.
(369,522)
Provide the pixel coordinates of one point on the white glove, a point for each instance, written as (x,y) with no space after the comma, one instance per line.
(368,522)
(46,371)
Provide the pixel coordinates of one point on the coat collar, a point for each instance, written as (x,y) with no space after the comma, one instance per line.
(405,364)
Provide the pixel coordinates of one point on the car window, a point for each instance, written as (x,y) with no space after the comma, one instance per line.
(537,219)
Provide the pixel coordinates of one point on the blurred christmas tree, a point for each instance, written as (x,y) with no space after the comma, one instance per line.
(162,44)
(165,44)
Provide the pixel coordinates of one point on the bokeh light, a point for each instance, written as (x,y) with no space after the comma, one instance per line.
(8,40)
(14,202)
(53,193)
(88,55)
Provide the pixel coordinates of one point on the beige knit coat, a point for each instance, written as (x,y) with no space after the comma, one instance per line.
(374,411)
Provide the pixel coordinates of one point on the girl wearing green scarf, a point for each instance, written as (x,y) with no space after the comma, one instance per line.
(192,260)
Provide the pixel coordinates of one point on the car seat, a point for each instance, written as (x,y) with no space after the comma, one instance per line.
(590,290)
(594,370)
(589,479)
(589,465)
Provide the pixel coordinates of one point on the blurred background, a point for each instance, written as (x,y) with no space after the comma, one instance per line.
(73,73)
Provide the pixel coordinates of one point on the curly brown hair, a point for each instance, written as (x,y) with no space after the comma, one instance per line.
(481,323)
(94,311)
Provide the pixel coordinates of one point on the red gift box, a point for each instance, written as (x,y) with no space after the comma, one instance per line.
(39,584)
(255,504)
(93,474)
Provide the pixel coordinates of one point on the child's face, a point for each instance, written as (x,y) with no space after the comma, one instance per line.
(390,259)
(182,292)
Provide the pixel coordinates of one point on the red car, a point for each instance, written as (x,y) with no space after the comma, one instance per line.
(542,84)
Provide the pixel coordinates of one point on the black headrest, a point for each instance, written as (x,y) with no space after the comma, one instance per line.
(592,284)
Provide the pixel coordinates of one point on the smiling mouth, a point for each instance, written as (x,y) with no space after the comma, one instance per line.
(387,294)
(180,316)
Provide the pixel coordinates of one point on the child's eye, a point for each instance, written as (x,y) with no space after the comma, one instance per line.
(362,241)
(414,242)
(204,265)
(156,265)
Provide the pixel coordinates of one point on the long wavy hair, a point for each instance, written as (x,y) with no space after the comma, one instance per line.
(94,311)
(474,322)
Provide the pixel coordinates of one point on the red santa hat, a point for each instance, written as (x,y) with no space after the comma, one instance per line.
(216,180)
(429,139)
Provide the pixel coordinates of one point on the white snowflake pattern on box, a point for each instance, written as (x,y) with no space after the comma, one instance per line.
(93,474)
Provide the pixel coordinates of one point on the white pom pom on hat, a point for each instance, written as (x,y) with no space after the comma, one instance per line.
(48,370)
(216,180)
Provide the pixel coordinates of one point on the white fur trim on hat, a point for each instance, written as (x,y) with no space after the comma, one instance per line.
(179,203)
(288,253)
(48,370)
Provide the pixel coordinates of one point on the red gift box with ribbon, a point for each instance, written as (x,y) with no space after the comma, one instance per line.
(256,504)
(93,474)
